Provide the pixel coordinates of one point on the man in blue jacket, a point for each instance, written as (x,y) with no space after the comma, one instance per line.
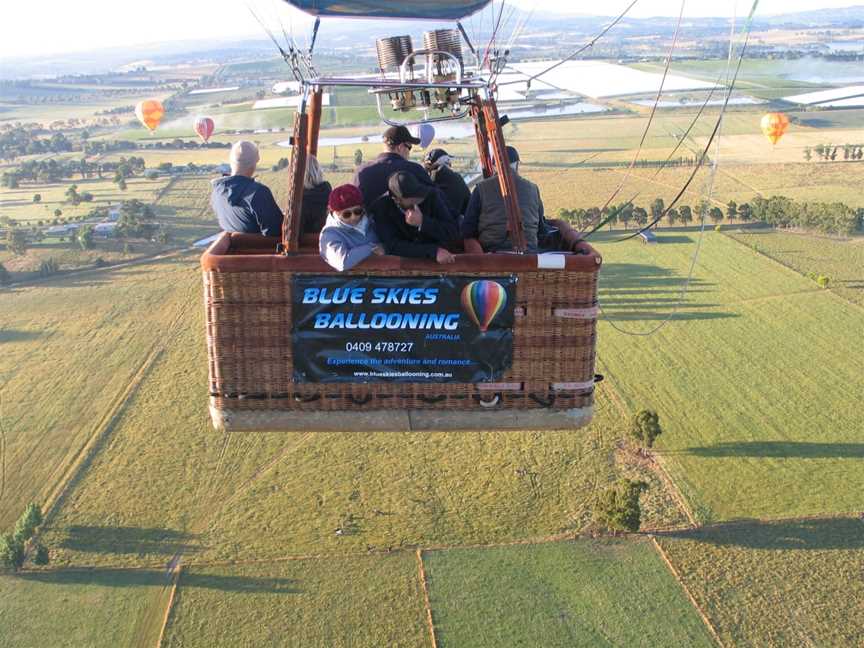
(372,176)
(240,203)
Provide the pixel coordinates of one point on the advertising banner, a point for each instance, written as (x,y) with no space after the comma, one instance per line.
(402,329)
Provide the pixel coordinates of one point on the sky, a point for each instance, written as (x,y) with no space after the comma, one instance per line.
(40,27)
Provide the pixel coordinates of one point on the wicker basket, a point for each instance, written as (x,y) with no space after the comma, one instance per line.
(248,300)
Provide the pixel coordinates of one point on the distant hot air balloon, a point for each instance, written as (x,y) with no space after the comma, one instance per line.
(774,125)
(426,133)
(204,127)
(483,300)
(150,112)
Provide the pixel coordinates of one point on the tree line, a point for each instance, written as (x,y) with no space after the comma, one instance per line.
(829,152)
(778,211)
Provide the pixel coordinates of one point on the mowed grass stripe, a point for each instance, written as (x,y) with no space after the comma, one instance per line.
(757,398)
(333,603)
(776,584)
(585,593)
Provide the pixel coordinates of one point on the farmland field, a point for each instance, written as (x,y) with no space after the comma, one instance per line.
(786,583)
(563,594)
(732,375)
(77,609)
(340,602)
(841,261)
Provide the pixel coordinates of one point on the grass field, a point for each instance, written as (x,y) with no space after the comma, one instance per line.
(585,593)
(786,583)
(78,609)
(356,601)
(840,260)
(759,409)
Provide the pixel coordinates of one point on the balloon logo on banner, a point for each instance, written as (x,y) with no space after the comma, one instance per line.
(150,112)
(204,127)
(483,300)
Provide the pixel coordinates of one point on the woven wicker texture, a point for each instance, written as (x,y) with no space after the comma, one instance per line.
(249,328)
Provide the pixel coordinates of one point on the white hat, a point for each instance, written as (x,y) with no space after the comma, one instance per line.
(244,155)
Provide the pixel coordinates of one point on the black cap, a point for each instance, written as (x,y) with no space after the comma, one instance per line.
(512,154)
(406,185)
(399,135)
(433,155)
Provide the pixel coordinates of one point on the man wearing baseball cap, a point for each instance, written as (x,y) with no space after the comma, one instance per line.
(241,204)
(372,176)
(452,186)
(412,219)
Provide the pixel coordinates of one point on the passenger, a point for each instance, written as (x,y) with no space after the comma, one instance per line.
(348,236)
(412,219)
(486,217)
(456,192)
(372,176)
(316,192)
(240,203)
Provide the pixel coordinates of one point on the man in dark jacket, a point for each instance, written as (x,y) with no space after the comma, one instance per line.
(486,217)
(412,220)
(372,176)
(240,203)
(450,183)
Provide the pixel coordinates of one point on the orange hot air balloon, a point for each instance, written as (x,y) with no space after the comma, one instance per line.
(150,112)
(774,125)
(204,127)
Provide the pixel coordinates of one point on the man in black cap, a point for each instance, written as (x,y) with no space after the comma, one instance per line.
(450,183)
(486,217)
(412,219)
(372,176)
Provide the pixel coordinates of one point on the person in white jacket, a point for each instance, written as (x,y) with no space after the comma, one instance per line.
(348,236)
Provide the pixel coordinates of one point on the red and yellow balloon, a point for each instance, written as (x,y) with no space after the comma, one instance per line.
(150,112)
(482,301)
(774,125)
(204,126)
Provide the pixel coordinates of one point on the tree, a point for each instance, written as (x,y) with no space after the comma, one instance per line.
(808,153)
(72,195)
(26,525)
(358,157)
(84,236)
(657,208)
(11,552)
(716,214)
(16,241)
(37,198)
(121,184)
(645,427)
(731,209)
(626,216)
(745,212)
(618,507)
(686,214)
(58,213)
(5,276)
(640,215)
(41,556)
(671,216)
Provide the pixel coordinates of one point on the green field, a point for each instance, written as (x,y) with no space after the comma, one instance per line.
(787,583)
(760,412)
(80,609)
(842,261)
(585,593)
(352,601)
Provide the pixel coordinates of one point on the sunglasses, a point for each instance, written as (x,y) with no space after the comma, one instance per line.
(348,213)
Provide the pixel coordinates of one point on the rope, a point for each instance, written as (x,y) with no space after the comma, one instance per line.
(710,190)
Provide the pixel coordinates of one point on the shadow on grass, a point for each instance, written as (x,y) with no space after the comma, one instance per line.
(780,450)
(14,335)
(128,540)
(812,534)
(634,291)
(158,578)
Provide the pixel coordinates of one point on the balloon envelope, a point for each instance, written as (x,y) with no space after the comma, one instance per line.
(149,112)
(426,133)
(204,127)
(482,301)
(774,125)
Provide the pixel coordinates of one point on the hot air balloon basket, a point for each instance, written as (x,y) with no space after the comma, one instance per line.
(249,305)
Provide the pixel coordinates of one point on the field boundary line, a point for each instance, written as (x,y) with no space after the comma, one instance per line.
(91,446)
(690,596)
(426,603)
(168,185)
(175,582)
